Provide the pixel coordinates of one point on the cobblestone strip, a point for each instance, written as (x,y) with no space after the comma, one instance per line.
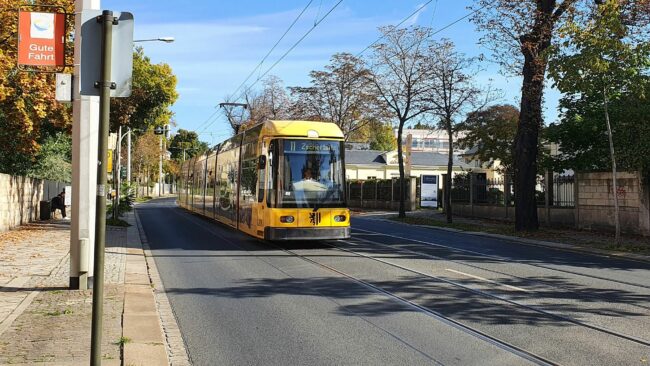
(174,342)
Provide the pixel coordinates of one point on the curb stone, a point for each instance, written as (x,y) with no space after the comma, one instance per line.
(537,243)
(141,329)
(174,343)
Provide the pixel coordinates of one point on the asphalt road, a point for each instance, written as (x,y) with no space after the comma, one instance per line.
(394,295)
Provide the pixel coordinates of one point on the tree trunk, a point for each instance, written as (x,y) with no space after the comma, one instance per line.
(400,162)
(526,140)
(614,185)
(450,164)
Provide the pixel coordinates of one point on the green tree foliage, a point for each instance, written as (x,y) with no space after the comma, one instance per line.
(380,135)
(153,92)
(53,161)
(187,141)
(491,133)
(601,63)
(582,134)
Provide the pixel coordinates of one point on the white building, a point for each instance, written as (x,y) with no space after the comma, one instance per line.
(430,140)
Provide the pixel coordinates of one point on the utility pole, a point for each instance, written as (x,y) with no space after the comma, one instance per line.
(85,114)
(118,172)
(128,156)
(160,168)
(160,131)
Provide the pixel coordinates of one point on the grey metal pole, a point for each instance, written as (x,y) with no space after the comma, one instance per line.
(160,169)
(118,166)
(105,85)
(163,157)
(128,156)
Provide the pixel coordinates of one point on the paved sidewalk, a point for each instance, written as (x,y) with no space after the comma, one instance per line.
(42,321)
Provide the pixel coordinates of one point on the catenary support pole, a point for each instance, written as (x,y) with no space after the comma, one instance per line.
(105,86)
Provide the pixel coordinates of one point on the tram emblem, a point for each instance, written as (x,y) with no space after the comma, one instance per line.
(314,218)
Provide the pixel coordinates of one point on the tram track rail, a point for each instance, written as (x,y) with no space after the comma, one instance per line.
(503,259)
(502,299)
(501,344)
(505,345)
(582,294)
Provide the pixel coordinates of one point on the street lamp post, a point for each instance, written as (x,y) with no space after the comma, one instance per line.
(160,131)
(160,39)
(118,166)
(128,133)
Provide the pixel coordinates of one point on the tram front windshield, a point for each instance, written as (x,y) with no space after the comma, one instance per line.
(312,174)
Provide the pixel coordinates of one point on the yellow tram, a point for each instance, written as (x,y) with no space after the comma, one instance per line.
(278,180)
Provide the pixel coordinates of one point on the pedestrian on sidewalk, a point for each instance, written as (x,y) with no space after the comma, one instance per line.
(58,202)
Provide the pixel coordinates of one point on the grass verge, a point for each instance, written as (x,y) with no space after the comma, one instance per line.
(581,238)
(116,222)
(143,199)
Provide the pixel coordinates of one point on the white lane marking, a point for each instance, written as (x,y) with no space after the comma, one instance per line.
(486,280)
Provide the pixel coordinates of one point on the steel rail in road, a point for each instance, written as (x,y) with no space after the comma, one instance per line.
(503,259)
(582,294)
(501,344)
(538,360)
(500,298)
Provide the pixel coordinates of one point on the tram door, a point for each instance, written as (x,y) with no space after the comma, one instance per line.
(261,185)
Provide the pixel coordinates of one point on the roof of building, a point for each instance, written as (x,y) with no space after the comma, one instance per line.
(365,157)
(419,158)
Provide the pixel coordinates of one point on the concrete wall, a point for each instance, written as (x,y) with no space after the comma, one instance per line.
(596,201)
(20,197)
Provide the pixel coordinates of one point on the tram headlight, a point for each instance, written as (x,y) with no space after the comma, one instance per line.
(339,218)
(286,219)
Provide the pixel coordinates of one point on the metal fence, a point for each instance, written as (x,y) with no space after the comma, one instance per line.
(376,189)
(379,193)
(476,190)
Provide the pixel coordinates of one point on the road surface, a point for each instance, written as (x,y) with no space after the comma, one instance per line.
(394,295)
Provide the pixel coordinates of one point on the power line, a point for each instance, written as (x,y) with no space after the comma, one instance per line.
(259,65)
(205,123)
(291,49)
(432,34)
(207,119)
(212,120)
(396,26)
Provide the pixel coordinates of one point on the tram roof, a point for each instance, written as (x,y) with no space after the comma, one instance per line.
(301,129)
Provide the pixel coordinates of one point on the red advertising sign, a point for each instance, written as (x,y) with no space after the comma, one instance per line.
(41,39)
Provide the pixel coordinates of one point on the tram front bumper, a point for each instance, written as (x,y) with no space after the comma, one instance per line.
(306,233)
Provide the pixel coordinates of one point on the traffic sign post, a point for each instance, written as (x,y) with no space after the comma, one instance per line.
(121,53)
(106,86)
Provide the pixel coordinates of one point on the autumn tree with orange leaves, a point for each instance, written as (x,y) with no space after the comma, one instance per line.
(27,104)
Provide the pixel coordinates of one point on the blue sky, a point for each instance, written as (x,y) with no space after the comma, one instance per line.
(218,43)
